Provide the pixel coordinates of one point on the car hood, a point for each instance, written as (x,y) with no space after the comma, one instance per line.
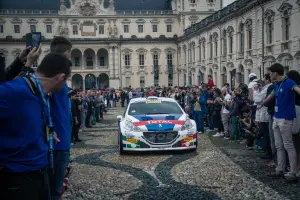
(161,122)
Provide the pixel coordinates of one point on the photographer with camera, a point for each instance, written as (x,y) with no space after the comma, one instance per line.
(25,136)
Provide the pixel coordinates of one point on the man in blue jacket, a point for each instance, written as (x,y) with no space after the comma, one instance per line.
(23,140)
(61,116)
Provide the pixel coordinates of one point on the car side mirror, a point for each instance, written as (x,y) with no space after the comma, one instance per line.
(120,117)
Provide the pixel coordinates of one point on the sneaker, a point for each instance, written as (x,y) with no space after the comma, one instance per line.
(270,164)
(199,132)
(222,134)
(276,174)
(227,137)
(250,148)
(217,135)
(290,179)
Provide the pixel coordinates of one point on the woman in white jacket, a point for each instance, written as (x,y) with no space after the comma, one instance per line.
(262,115)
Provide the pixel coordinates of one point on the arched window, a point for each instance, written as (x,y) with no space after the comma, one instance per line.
(203,49)
(215,38)
(199,51)
(269,18)
(230,39)
(286,25)
(249,32)
(210,47)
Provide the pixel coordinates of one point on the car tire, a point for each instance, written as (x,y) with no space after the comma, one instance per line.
(121,150)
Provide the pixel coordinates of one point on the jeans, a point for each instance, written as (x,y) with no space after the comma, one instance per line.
(61,162)
(284,141)
(226,123)
(272,139)
(264,131)
(198,117)
(211,124)
(97,114)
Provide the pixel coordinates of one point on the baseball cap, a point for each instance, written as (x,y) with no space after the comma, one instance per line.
(252,75)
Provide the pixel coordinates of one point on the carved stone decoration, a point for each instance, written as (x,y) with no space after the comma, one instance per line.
(155,50)
(141,51)
(47,51)
(127,51)
(297,55)
(32,21)
(248,24)
(48,21)
(230,64)
(125,21)
(16,21)
(269,15)
(285,7)
(63,28)
(4,52)
(111,5)
(215,67)
(2,21)
(203,68)
(230,29)
(248,62)
(115,28)
(128,73)
(140,21)
(282,55)
(168,50)
(74,22)
(298,2)
(109,29)
(154,21)
(169,21)
(142,72)
(87,8)
(100,21)
(15,52)
(88,28)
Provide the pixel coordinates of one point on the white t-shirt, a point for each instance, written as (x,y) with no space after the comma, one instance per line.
(226,98)
(252,84)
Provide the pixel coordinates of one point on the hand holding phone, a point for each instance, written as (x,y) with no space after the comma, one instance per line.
(33,39)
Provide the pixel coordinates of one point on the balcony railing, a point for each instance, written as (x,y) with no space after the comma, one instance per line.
(94,67)
(145,12)
(28,12)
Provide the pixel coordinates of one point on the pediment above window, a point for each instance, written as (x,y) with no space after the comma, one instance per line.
(48,21)
(155,50)
(32,21)
(140,21)
(74,21)
(285,6)
(193,18)
(155,21)
(169,21)
(16,21)
(127,51)
(100,21)
(141,51)
(126,21)
(230,29)
(170,50)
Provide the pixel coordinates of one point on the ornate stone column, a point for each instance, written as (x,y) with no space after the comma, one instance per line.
(111,62)
(117,75)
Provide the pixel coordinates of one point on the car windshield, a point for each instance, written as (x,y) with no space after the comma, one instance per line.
(143,108)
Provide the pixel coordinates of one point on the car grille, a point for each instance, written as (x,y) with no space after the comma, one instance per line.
(160,137)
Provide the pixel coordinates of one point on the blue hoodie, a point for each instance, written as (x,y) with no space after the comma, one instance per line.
(61,116)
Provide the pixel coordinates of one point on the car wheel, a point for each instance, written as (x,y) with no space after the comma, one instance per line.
(121,151)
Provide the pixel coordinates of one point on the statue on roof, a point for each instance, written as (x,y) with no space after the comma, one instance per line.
(87,8)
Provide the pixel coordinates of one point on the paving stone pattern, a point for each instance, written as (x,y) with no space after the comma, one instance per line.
(101,173)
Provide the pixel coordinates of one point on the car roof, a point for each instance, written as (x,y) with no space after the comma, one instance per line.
(141,99)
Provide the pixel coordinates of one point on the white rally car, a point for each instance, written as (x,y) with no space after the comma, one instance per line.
(155,124)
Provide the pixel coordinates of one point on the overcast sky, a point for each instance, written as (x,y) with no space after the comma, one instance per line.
(226,2)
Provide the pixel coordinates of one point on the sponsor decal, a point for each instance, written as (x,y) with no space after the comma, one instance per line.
(148,101)
(188,138)
(159,122)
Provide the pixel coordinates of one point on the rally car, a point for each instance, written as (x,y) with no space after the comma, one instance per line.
(156,124)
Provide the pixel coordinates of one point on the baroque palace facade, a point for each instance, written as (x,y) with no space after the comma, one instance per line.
(141,43)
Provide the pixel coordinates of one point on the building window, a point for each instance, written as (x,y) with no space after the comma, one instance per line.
(211,47)
(230,38)
(269,33)
(126,28)
(203,48)
(17,28)
(32,28)
(216,47)
(77,61)
(250,38)
(89,61)
(140,28)
(75,30)
(155,67)
(142,59)
(242,38)
(127,60)
(224,43)
(199,48)
(49,28)
(193,1)
(286,26)
(142,82)
(194,53)
(154,28)
(169,28)
(101,29)
(155,59)
(102,61)
(1,28)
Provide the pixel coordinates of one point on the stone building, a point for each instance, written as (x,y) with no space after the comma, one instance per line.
(140,43)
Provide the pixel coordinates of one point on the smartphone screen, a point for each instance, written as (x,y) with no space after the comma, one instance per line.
(33,39)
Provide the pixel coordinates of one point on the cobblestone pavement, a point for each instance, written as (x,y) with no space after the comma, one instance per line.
(250,162)
(100,173)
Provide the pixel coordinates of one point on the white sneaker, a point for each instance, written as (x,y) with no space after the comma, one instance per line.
(222,134)
(217,135)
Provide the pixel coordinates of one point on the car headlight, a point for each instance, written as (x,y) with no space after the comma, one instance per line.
(129,126)
(187,125)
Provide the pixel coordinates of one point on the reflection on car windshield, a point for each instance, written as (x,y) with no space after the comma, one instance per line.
(142,108)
